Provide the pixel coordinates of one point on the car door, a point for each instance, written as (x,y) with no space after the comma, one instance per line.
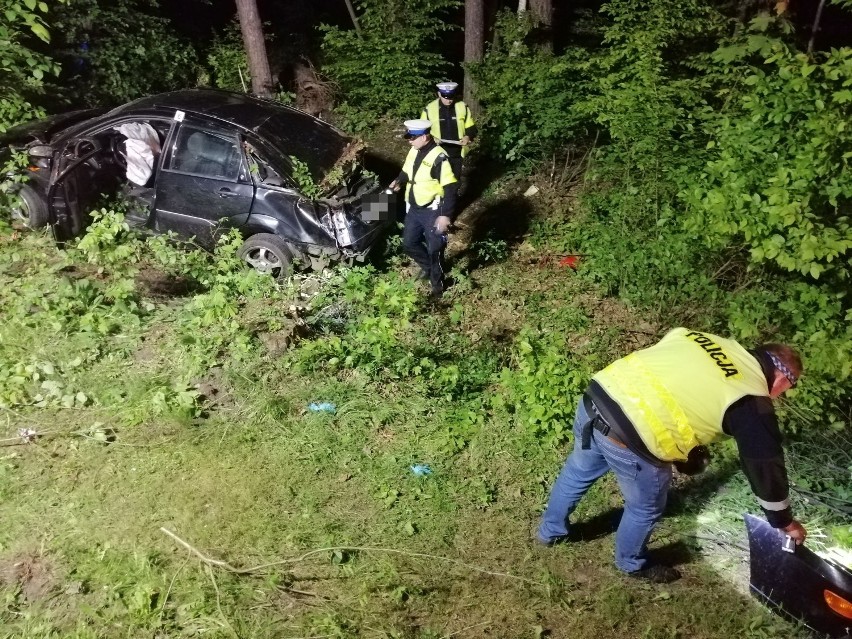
(203,187)
(92,164)
(71,186)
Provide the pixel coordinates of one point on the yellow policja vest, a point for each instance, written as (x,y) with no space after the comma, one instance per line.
(424,187)
(676,392)
(464,120)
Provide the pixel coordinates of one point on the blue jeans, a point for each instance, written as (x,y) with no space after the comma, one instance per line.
(643,486)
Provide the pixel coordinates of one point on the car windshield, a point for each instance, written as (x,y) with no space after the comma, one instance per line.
(317,146)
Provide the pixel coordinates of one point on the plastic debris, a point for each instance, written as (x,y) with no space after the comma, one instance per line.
(322,407)
(571,261)
(27,435)
(530,192)
(421,470)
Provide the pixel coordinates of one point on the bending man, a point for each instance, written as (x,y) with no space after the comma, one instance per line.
(657,405)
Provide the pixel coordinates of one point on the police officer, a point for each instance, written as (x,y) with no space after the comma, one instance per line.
(452,124)
(430,199)
(655,407)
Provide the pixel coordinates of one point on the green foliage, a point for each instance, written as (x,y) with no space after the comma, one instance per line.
(543,385)
(13,170)
(718,194)
(23,68)
(302,175)
(777,176)
(392,67)
(491,249)
(132,52)
(528,94)
(209,325)
(228,61)
(372,330)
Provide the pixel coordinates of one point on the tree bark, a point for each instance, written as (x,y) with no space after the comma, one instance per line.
(474,47)
(543,12)
(255,44)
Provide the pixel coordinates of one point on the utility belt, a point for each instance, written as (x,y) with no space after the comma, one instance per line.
(610,427)
(434,205)
(599,424)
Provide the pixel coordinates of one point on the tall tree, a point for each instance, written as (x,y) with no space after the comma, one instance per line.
(543,12)
(255,44)
(474,46)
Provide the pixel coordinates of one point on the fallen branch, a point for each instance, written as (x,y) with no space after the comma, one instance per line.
(820,499)
(393,551)
(719,542)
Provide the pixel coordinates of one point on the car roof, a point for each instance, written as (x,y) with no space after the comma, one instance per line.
(318,143)
(243,110)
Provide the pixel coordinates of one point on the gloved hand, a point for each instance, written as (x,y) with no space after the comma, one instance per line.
(442,223)
(697,461)
(796,531)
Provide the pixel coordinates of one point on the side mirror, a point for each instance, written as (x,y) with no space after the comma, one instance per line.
(40,151)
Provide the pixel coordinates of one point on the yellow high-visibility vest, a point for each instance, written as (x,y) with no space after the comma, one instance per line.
(676,392)
(424,186)
(464,120)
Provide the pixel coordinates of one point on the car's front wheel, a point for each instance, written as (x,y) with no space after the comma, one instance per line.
(30,209)
(267,254)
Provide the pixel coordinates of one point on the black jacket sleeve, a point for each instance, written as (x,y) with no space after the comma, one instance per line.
(752,423)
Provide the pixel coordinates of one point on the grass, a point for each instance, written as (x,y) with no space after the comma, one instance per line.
(217,445)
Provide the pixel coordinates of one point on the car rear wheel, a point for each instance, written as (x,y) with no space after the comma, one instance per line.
(30,209)
(267,254)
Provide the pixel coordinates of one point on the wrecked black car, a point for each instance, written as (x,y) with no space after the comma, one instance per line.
(199,162)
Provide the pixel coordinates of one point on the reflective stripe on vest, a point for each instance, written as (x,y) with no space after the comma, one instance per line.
(676,392)
(425,187)
(463,120)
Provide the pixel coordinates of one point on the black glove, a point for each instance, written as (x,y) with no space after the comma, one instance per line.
(696,462)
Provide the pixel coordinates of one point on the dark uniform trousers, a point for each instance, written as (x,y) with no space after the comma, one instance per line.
(424,244)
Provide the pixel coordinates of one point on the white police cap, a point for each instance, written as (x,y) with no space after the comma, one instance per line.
(447,87)
(417,127)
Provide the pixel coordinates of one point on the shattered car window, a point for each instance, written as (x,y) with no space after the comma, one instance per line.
(261,169)
(203,153)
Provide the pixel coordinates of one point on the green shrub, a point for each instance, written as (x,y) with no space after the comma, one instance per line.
(228,61)
(132,52)
(529,94)
(392,67)
(542,385)
(24,66)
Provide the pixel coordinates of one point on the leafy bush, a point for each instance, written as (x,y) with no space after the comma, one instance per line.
(366,322)
(228,61)
(529,94)
(121,50)
(542,385)
(392,66)
(24,67)
(720,199)
(777,176)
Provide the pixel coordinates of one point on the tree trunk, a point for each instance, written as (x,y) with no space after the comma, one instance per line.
(543,12)
(474,46)
(252,30)
(354,17)
(815,28)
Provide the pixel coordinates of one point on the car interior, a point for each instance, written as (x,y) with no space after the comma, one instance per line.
(203,153)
